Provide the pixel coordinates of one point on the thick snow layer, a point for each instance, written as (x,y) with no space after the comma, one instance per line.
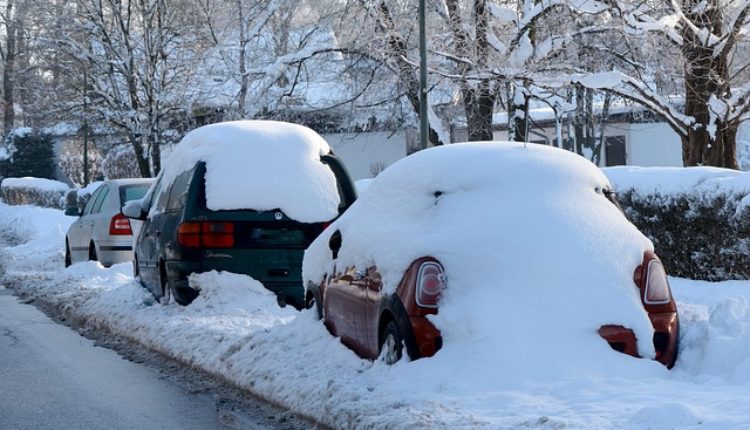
(526,237)
(236,330)
(676,181)
(35,183)
(261,165)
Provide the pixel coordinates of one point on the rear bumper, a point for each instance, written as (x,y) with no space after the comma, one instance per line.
(428,338)
(666,338)
(178,271)
(111,252)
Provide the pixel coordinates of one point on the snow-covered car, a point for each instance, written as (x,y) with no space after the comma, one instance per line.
(523,246)
(101,232)
(245,197)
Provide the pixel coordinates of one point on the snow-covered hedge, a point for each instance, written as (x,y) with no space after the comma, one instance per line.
(32,191)
(697,217)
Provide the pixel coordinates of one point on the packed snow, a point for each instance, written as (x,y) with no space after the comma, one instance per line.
(276,164)
(236,330)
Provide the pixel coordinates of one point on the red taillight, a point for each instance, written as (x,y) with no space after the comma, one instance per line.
(430,284)
(656,290)
(189,234)
(206,234)
(120,225)
(217,234)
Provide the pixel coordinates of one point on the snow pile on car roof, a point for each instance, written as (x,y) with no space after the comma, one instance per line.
(537,259)
(260,165)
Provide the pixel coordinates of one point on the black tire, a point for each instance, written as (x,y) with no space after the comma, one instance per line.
(168,289)
(311,303)
(92,252)
(391,343)
(68,260)
(135,267)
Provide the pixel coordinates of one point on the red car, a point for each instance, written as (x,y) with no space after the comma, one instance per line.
(376,315)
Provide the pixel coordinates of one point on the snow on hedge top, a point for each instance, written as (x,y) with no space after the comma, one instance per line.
(260,165)
(537,259)
(676,181)
(35,183)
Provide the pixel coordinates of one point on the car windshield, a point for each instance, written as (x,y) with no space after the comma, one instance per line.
(132,192)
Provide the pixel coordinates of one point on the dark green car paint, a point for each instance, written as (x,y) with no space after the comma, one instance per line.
(269,246)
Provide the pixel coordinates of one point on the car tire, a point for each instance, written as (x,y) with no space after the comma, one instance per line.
(92,252)
(391,343)
(166,288)
(68,260)
(135,266)
(311,302)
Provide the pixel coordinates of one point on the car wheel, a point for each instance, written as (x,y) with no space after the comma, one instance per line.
(92,252)
(310,303)
(68,260)
(135,267)
(391,343)
(166,289)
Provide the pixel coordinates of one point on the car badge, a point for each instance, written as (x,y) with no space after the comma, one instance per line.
(278,216)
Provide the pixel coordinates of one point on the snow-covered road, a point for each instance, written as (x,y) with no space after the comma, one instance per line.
(54,378)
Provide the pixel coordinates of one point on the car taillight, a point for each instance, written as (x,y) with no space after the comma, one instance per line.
(189,234)
(656,287)
(120,225)
(217,234)
(206,234)
(430,284)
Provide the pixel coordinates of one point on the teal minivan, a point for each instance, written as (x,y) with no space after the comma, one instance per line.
(180,235)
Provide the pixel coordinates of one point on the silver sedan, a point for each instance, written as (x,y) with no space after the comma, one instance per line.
(101,232)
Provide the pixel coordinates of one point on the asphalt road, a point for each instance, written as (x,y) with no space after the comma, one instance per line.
(53,378)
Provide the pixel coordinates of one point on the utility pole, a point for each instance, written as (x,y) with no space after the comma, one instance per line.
(85,128)
(423,121)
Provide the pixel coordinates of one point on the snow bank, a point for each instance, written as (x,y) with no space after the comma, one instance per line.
(261,165)
(236,330)
(536,257)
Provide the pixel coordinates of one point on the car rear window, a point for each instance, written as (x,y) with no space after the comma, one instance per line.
(132,192)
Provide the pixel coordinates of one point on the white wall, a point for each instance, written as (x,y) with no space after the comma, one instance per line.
(653,144)
(361,150)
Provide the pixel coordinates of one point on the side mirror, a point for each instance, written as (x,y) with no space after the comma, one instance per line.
(334,243)
(72,211)
(133,209)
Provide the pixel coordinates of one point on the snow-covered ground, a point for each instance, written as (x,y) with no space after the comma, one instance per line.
(235,329)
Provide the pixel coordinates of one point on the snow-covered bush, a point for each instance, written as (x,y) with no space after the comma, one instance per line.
(121,162)
(32,191)
(71,161)
(26,153)
(698,218)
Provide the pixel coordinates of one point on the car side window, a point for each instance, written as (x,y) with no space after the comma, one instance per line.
(178,191)
(92,201)
(100,200)
(154,191)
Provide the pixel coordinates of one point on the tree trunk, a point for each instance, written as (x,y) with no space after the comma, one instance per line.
(9,70)
(710,141)
(479,104)
(518,110)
